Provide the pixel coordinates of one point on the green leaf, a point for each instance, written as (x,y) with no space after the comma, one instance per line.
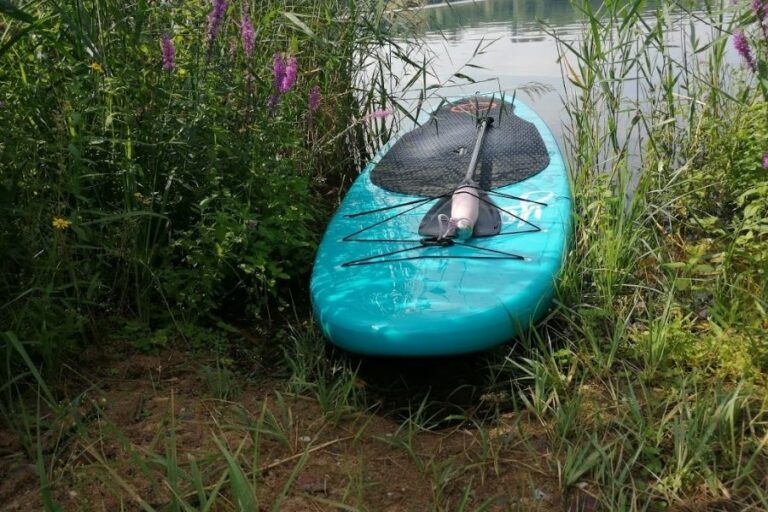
(17,36)
(242,492)
(464,77)
(19,347)
(752,210)
(762,77)
(7,8)
(296,21)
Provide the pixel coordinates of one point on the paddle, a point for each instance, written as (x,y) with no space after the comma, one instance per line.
(465,201)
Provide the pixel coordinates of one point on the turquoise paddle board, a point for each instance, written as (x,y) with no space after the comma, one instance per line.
(386,283)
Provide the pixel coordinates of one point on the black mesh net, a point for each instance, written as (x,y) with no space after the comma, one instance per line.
(433,159)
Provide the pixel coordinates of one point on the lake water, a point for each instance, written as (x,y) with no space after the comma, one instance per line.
(519,51)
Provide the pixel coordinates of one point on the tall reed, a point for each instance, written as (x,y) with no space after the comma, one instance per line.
(173,163)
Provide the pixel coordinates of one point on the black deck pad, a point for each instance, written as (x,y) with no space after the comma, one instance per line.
(432,159)
(488,219)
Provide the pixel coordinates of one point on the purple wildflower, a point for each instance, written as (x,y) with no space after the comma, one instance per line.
(314,98)
(759,8)
(380,114)
(765,161)
(278,70)
(289,78)
(246,31)
(215,18)
(284,74)
(742,47)
(169,53)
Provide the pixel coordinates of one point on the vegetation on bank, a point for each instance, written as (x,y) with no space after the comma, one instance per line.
(163,189)
(170,164)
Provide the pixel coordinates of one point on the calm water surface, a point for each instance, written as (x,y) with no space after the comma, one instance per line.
(518,54)
(519,51)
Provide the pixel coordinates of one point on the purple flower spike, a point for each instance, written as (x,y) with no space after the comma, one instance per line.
(215,18)
(314,98)
(246,31)
(289,78)
(284,74)
(169,53)
(759,8)
(765,161)
(278,70)
(742,47)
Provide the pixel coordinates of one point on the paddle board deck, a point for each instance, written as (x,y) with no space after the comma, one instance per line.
(377,289)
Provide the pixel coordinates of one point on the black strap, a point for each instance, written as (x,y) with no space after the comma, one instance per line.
(350,237)
(377,210)
(433,242)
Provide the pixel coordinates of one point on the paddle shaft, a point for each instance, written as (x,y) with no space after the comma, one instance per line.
(465,202)
(481,128)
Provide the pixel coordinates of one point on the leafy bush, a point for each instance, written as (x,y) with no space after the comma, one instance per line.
(719,249)
(157,164)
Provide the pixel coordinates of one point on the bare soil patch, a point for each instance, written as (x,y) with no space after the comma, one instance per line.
(141,426)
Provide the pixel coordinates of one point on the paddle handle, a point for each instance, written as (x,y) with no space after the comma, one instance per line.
(481,129)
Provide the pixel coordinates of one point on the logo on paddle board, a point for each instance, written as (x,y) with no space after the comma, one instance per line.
(472,107)
(529,212)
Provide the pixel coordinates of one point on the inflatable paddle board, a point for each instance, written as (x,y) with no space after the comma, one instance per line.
(393,275)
